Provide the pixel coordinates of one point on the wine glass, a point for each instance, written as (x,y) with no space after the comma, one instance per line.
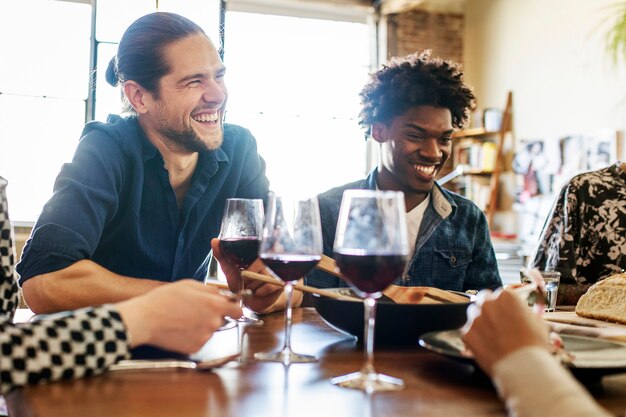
(291,246)
(371,250)
(240,235)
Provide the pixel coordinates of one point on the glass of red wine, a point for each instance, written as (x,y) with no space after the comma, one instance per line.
(371,250)
(291,246)
(240,236)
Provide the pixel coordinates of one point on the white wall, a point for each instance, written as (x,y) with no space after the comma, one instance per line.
(551,54)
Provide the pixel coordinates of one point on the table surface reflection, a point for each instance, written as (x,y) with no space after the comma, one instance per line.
(435,385)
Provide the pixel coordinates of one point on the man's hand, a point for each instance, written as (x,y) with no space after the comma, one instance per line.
(500,323)
(180,316)
(265,297)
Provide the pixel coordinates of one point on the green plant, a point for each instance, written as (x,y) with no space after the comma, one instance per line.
(616,35)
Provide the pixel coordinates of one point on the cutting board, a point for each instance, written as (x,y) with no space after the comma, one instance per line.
(567,322)
(422,295)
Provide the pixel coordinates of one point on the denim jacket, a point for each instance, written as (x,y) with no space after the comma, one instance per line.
(453,250)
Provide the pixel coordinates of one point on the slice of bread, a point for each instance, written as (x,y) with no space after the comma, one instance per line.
(605,300)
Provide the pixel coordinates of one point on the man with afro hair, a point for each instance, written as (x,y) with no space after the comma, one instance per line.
(411,107)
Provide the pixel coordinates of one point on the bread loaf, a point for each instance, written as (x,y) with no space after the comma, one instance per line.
(605,300)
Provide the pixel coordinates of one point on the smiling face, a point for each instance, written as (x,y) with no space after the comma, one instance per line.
(414,147)
(187,113)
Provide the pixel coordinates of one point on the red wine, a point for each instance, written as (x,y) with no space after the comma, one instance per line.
(241,251)
(370,273)
(290,267)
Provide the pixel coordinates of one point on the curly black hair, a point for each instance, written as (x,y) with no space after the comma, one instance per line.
(415,80)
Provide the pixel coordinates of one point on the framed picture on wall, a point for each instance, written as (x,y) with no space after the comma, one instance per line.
(537,160)
(585,152)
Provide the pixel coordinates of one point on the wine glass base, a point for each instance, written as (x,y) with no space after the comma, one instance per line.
(369,382)
(249,321)
(228,324)
(241,362)
(284,357)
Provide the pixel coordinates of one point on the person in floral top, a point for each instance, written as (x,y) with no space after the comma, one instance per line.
(584,237)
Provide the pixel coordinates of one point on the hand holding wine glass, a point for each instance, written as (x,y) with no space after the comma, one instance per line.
(259,297)
(291,246)
(371,250)
(240,236)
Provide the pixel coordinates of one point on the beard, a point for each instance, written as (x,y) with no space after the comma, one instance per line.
(189,140)
(185,136)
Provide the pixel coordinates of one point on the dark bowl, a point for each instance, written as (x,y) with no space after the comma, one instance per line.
(396,324)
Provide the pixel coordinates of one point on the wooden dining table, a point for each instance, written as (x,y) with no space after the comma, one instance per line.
(435,385)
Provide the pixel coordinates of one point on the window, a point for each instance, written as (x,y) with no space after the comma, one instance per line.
(294,82)
(112,19)
(44,83)
(44,80)
(297,93)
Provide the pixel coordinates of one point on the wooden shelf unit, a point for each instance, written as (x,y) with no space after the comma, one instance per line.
(477,152)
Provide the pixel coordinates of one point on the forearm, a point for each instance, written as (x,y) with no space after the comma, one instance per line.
(82,284)
(532,383)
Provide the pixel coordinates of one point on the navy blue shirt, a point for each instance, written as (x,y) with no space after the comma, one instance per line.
(453,250)
(113,204)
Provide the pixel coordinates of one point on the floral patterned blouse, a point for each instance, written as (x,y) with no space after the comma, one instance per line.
(585,235)
(67,345)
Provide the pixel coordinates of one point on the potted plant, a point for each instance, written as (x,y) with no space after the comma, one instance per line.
(616,35)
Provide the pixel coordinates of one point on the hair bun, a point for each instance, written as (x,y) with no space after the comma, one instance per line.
(111,73)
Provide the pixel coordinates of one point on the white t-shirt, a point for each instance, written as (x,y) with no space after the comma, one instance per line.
(414,221)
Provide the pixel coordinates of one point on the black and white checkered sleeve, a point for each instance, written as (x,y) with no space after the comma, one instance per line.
(66,345)
(72,345)
(8,286)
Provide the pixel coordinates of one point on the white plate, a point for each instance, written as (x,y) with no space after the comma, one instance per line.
(598,355)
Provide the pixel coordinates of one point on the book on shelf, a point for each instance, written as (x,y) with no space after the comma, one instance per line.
(476,156)
(488,156)
(476,189)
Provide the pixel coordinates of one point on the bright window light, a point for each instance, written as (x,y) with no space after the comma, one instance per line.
(44,80)
(294,82)
(110,27)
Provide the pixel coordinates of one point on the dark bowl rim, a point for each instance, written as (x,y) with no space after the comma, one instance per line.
(400,305)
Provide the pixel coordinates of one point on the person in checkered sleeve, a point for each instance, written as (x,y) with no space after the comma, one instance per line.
(7,257)
(180,317)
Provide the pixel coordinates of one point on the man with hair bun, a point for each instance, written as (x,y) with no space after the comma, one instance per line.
(145,192)
(411,107)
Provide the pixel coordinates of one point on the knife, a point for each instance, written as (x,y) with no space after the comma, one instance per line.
(160,364)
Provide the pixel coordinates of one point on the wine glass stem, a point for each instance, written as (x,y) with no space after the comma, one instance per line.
(240,334)
(288,296)
(241,287)
(370,321)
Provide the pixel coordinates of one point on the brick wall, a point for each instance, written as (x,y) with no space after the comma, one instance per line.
(416,30)
(419,29)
